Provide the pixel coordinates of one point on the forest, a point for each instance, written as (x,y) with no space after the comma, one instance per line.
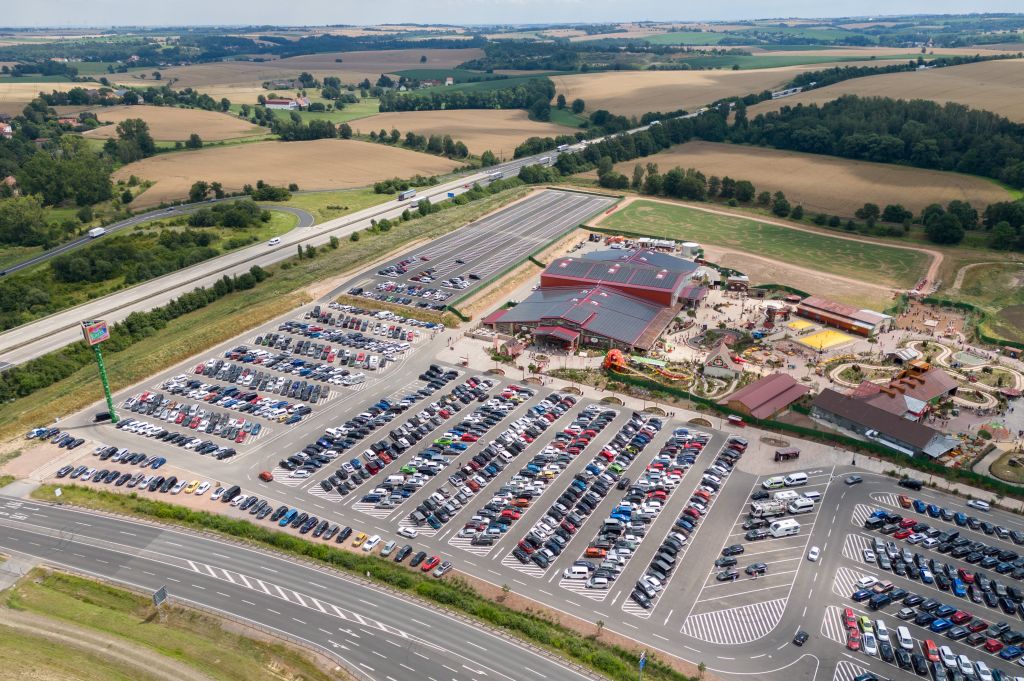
(533,95)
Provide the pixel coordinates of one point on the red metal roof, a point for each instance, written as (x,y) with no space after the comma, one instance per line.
(558,332)
(494,316)
(769,395)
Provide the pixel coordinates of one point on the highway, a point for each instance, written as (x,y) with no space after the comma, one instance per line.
(378,634)
(50,333)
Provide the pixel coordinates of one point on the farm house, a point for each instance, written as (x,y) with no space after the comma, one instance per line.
(845,317)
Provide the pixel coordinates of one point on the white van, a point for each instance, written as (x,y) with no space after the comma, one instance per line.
(813,496)
(786,495)
(795,479)
(798,506)
(774,483)
(905,639)
(784,528)
(576,572)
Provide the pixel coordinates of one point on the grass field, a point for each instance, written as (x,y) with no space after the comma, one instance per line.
(187,637)
(827,184)
(34,656)
(859,260)
(494,129)
(460,75)
(14,254)
(998,288)
(770,61)
(352,112)
(316,164)
(328,205)
(996,86)
(223,319)
(170,123)
(633,93)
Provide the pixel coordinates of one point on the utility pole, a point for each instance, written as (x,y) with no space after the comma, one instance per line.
(94,333)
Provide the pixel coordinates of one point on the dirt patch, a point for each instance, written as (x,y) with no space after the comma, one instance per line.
(498,130)
(316,164)
(996,86)
(170,123)
(827,184)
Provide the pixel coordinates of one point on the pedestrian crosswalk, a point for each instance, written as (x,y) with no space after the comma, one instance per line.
(466,544)
(320,493)
(425,530)
(732,626)
(282,476)
(832,624)
(854,545)
(861,512)
(579,587)
(847,671)
(630,606)
(845,581)
(372,510)
(887,498)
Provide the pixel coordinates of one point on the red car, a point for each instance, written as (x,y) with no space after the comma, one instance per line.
(959,617)
(430,563)
(993,646)
(853,639)
(904,501)
(469,437)
(902,534)
(965,576)
(976,626)
(266,476)
(931,651)
(908,522)
(849,618)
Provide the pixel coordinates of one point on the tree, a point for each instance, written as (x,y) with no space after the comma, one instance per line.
(964,212)
(945,229)
(134,141)
(198,191)
(217,189)
(604,166)
(488,159)
(310,252)
(394,136)
(895,212)
(1003,237)
(764,198)
(423,59)
(540,110)
(334,243)
(714,185)
(560,101)
(780,205)
(638,177)
(194,141)
(578,105)
(931,213)
(869,213)
(600,626)
(744,191)
(126,197)
(298,247)
(798,212)
(84,214)
(424,207)
(345,131)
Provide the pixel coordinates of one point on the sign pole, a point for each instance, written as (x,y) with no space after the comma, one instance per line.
(106,383)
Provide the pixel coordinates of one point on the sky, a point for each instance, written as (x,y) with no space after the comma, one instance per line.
(73,13)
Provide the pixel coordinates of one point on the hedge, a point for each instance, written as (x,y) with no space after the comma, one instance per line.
(924,465)
(614,661)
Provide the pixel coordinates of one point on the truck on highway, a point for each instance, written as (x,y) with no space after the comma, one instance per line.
(767,509)
(561,147)
(496,175)
(544,160)
(97,232)
(407,194)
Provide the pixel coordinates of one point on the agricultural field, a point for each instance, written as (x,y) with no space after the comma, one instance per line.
(173,124)
(15,94)
(315,164)
(826,184)
(497,130)
(685,38)
(996,86)
(633,93)
(863,261)
(353,67)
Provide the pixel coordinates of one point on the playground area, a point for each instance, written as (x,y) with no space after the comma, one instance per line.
(826,339)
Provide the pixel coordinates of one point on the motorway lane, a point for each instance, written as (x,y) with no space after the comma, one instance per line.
(57,330)
(379,634)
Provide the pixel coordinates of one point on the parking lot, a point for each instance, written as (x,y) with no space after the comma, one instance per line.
(448,268)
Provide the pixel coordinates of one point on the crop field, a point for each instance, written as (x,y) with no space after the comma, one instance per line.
(996,86)
(632,93)
(826,184)
(686,38)
(15,94)
(316,164)
(497,130)
(168,123)
(353,67)
(862,260)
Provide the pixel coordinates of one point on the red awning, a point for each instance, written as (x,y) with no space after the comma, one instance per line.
(559,332)
(494,316)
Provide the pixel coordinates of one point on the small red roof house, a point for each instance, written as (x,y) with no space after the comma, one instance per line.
(766,397)
(6,131)
(720,363)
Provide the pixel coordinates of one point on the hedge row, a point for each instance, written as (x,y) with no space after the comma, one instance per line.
(965,476)
(613,661)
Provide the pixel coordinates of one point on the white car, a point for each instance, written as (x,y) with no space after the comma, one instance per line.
(408,532)
(299,473)
(869,556)
(371,543)
(866,582)
(881,631)
(979,505)
(984,673)
(813,554)
(965,665)
(201,490)
(273,242)
(868,644)
(217,494)
(948,658)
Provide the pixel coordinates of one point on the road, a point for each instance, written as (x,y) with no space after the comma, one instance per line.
(50,333)
(377,633)
(305,220)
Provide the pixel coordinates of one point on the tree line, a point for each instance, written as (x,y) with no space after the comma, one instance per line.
(534,95)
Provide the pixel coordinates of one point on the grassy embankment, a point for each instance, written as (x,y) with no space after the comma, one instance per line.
(225,318)
(181,635)
(611,660)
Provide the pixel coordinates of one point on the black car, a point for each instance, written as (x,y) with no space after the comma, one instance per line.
(733,550)
(418,558)
(919,663)
(402,553)
(800,638)
(641,599)
(344,534)
(725,562)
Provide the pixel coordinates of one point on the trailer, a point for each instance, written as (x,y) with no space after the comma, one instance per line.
(96,232)
(496,175)
(407,194)
(784,528)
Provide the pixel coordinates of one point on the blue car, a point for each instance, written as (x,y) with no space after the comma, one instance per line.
(959,588)
(934,511)
(288,517)
(862,595)
(1011,652)
(940,625)
(919,506)
(926,576)
(157,462)
(960,519)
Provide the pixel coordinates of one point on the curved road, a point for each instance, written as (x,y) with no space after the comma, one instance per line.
(377,634)
(305,220)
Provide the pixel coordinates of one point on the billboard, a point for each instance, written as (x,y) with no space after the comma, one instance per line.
(95,332)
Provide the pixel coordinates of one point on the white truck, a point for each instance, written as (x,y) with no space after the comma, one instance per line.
(767,509)
(97,232)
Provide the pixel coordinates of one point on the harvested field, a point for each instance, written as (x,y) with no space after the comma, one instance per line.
(354,67)
(497,130)
(14,96)
(996,86)
(637,92)
(316,164)
(877,52)
(826,184)
(168,123)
